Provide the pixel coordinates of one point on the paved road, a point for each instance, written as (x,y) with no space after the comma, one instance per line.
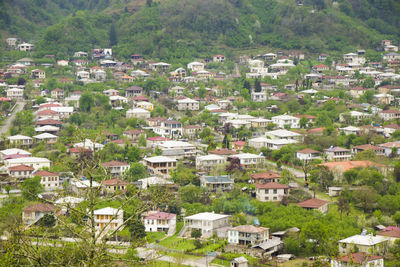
(7,124)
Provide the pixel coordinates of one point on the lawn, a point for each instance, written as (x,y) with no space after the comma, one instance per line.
(162,264)
(179,243)
(151,237)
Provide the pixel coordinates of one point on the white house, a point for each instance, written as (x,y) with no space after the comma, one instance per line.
(20,140)
(88,144)
(160,165)
(195,66)
(49,180)
(359,259)
(13,153)
(177,149)
(108,219)
(208,223)
(249,160)
(116,168)
(156,221)
(25,47)
(34,162)
(282,120)
(46,137)
(15,93)
(363,243)
(338,154)
(139,113)
(209,162)
(34,213)
(188,104)
(258,96)
(283,134)
(308,154)
(247,234)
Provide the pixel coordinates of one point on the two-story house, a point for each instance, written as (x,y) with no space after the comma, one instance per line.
(273,192)
(338,154)
(160,165)
(156,221)
(116,168)
(208,223)
(247,234)
(217,183)
(108,219)
(208,162)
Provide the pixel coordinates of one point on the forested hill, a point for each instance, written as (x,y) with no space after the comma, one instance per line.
(173,29)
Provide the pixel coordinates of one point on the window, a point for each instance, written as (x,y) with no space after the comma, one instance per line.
(275,191)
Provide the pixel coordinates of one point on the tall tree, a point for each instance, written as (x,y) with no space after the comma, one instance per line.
(112,35)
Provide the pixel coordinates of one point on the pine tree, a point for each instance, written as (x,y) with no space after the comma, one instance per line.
(113,35)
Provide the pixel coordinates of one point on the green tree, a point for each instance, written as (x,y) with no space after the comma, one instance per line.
(86,102)
(319,233)
(137,231)
(303,122)
(142,141)
(136,171)
(30,188)
(190,193)
(225,142)
(112,35)
(257,85)
(196,233)
(369,82)
(48,220)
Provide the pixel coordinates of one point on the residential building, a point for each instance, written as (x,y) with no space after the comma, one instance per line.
(273,192)
(188,104)
(265,177)
(338,154)
(283,134)
(25,47)
(217,183)
(80,187)
(286,120)
(20,171)
(35,162)
(260,123)
(379,151)
(47,138)
(177,149)
(308,154)
(134,134)
(258,96)
(156,221)
(339,167)
(108,219)
(49,180)
(169,128)
(363,243)
(358,259)
(191,131)
(20,140)
(389,114)
(154,181)
(209,162)
(239,262)
(273,144)
(195,66)
(208,223)
(113,186)
(38,74)
(160,165)
(13,153)
(145,105)
(15,93)
(248,160)
(133,91)
(218,58)
(116,168)
(139,113)
(315,204)
(248,235)
(34,213)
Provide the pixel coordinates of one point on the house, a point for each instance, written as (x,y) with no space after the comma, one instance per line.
(111,92)
(246,235)
(218,58)
(273,144)
(177,149)
(34,213)
(389,114)
(80,187)
(363,243)
(139,113)
(338,154)
(238,145)
(152,142)
(391,147)
(66,203)
(217,183)
(391,233)
(15,93)
(384,99)
(20,171)
(320,68)
(379,151)
(248,160)
(35,162)
(209,162)
(154,181)
(160,165)
(116,168)
(50,122)
(188,104)
(20,140)
(169,128)
(133,91)
(57,93)
(13,153)
(195,66)
(239,262)
(145,105)
(208,223)
(62,63)
(49,180)
(315,204)
(88,144)
(286,120)
(191,131)
(156,221)
(350,130)
(356,115)
(358,259)
(265,177)
(308,154)
(223,152)
(108,219)
(47,138)
(259,96)
(282,134)
(12,42)
(134,134)
(339,167)
(113,186)
(38,74)
(80,54)
(25,47)
(260,123)
(159,66)
(272,191)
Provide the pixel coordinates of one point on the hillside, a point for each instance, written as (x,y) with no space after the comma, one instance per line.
(176,29)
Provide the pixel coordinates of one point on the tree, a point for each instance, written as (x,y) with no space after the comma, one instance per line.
(149,3)
(5,106)
(48,220)
(31,188)
(142,141)
(366,198)
(396,171)
(196,233)
(303,122)
(234,165)
(343,205)
(318,232)
(136,171)
(86,102)
(396,217)
(112,35)
(257,85)
(190,193)
(137,231)
(183,175)
(369,82)
(225,142)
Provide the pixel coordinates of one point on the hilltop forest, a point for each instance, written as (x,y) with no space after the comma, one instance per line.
(178,29)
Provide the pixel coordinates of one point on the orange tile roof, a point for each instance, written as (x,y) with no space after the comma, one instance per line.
(312,203)
(272,185)
(347,165)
